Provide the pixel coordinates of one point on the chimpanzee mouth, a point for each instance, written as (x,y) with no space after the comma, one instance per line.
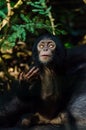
(46,55)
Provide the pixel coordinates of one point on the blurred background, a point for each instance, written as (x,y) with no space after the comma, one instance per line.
(22,21)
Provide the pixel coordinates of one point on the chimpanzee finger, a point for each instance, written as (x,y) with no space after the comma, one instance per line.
(30,71)
(33,73)
(21,76)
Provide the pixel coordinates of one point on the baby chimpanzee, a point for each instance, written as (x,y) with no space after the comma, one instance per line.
(53,90)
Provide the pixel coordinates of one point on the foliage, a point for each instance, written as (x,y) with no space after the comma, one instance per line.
(22,20)
(28,17)
(17,19)
(68,45)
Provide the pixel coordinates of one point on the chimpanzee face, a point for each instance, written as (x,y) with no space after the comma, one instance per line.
(46,48)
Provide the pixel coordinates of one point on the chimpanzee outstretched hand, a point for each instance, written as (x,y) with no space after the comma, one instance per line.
(33,72)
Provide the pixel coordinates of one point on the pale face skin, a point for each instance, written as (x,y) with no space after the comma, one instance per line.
(45,48)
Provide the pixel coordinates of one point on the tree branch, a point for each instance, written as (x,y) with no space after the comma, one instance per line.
(50,17)
(10,12)
(8,7)
(52,23)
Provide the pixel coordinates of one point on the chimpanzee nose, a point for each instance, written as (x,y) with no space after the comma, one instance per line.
(45,49)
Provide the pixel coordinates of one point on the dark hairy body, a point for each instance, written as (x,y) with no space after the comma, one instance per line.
(45,75)
(53,90)
(77,103)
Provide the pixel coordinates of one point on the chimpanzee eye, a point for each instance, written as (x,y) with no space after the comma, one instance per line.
(41,46)
(51,45)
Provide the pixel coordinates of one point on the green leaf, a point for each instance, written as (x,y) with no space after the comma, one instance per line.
(2,14)
(24,18)
(37,2)
(42,12)
(35,10)
(48,10)
(36,5)
(68,45)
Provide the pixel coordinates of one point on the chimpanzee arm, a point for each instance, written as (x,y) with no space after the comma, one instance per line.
(11,111)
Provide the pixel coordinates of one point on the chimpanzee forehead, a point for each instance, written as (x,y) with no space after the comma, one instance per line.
(46,40)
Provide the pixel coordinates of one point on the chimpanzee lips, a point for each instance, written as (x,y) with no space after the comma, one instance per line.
(46,55)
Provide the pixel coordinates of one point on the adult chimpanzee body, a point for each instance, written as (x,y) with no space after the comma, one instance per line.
(51,91)
(77,64)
